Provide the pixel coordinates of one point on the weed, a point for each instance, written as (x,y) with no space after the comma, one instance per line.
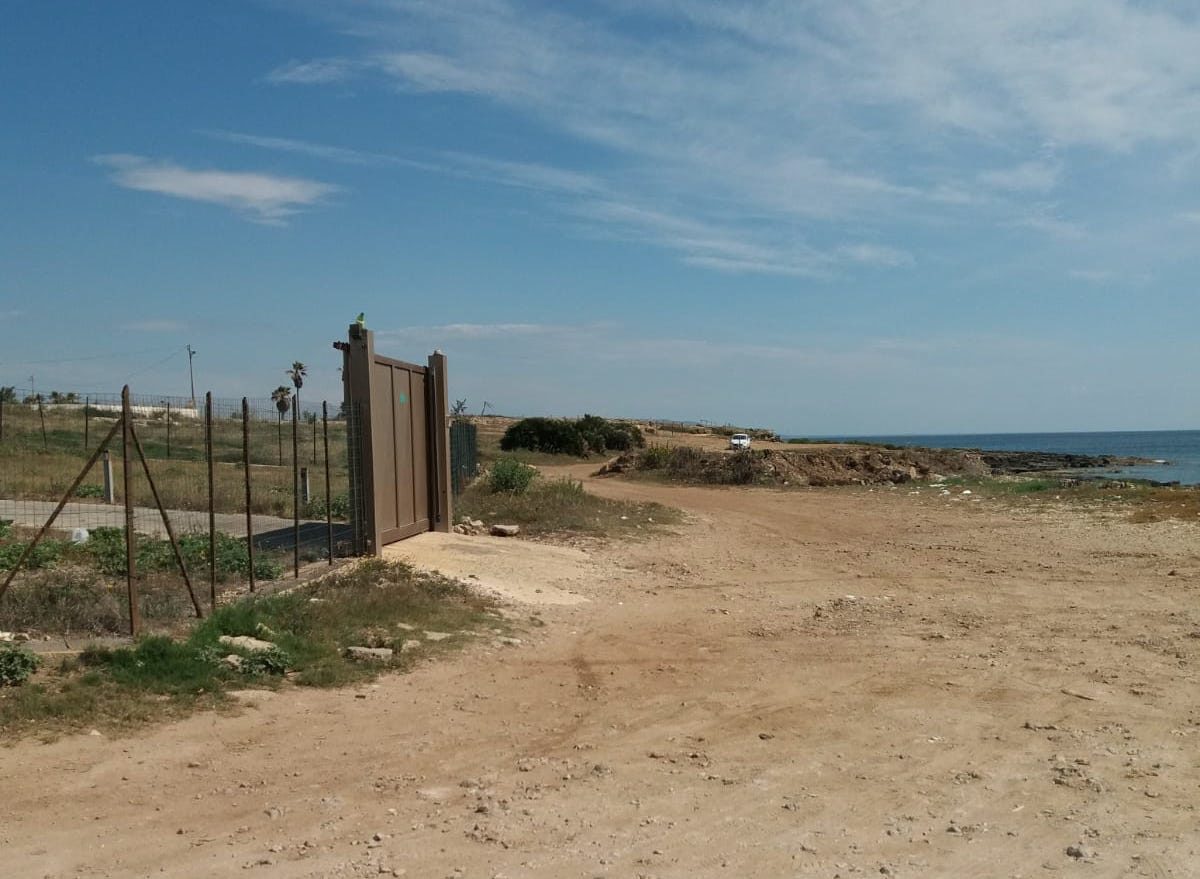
(509,475)
(86,490)
(562,506)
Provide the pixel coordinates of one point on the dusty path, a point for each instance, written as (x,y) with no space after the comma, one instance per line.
(1000,687)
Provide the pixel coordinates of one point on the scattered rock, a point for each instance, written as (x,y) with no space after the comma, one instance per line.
(369,654)
(232,661)
(246,642)
(411,644)
(510,642)
(506,530)
(1080,852)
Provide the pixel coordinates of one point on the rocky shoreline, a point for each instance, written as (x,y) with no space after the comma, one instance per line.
(854,465)
(1008,463)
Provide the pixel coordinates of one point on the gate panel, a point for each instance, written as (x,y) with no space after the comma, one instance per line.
(405,452)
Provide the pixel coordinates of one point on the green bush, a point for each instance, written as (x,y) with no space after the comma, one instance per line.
(555,436)
(339,504)
(90,491)
(590,434)
(106,546)
(5,527)
(17,665)
(655,458)
(44,554)
(511,476)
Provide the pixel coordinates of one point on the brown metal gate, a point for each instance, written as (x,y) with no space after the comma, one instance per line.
(402,480)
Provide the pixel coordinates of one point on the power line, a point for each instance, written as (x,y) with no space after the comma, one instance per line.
(137,372)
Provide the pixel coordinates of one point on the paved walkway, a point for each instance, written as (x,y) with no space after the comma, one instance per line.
(33,514)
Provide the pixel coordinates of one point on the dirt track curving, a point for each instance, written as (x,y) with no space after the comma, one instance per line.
(822,683)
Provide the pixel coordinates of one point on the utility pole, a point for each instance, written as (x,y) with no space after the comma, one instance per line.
(192,374)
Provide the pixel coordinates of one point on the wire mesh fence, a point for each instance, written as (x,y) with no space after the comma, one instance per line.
(464,455)
(216,472)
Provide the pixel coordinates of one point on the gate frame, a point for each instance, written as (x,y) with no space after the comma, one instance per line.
(358,356)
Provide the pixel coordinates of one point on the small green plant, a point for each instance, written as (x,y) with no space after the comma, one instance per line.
(511,476)
(266,662)
(339,506)
(17,665)
(89,491)
(44,555)
(5,527)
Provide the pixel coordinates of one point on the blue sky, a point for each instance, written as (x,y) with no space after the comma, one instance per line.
(863,216)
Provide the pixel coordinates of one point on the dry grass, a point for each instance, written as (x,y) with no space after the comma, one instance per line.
(161,677)
(33,469)
(563,507)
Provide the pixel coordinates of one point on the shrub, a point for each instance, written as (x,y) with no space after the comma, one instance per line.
(655,458)
(89,491)
(5,527)
(553,435)
(44,554)
(511,476)
(17,665)
(603,435)
(339,505)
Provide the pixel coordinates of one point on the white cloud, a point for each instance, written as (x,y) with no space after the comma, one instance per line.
(312,72)
(772,125)
(876,255)
(1190,216)
(1035,176)
(264,198)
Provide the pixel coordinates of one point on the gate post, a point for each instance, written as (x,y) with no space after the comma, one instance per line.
(358,356)
(438,415)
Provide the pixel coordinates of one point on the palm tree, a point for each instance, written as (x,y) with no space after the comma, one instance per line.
(282,397)
(297,374)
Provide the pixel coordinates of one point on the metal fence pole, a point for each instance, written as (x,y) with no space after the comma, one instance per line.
(296,486)
(328,493)
(42,415)
(212,502)
(135,616)
(87,420)
(246,468)
(168,429)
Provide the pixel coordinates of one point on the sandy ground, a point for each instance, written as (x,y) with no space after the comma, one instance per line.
(811,683)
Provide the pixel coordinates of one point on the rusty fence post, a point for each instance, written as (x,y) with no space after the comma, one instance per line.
(42,415)
(246,468)
(212,502)
(168,430)
(87,420)
(439,425)
(166,520)
(135,615)
(296,486)
(328,491)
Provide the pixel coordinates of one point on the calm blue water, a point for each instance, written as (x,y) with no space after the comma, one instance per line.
(1181,448)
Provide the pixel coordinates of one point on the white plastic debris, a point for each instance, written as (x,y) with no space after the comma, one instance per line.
(80,535)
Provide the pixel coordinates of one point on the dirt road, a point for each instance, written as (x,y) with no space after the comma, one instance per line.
(822,683)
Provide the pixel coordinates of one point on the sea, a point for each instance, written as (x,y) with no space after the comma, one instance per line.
(1179,450)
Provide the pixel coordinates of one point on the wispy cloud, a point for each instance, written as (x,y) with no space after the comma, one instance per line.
(321,70)
(161,325)
(264,198)
(776,125)
(1092,276)
(1035,176)
(1190,216)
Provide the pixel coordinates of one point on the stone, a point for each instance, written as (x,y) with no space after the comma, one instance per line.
(506,530)
(376,654)
(411,644)
(232,661)
(438,636)
(246,642)
(477,524)
(1080,852)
